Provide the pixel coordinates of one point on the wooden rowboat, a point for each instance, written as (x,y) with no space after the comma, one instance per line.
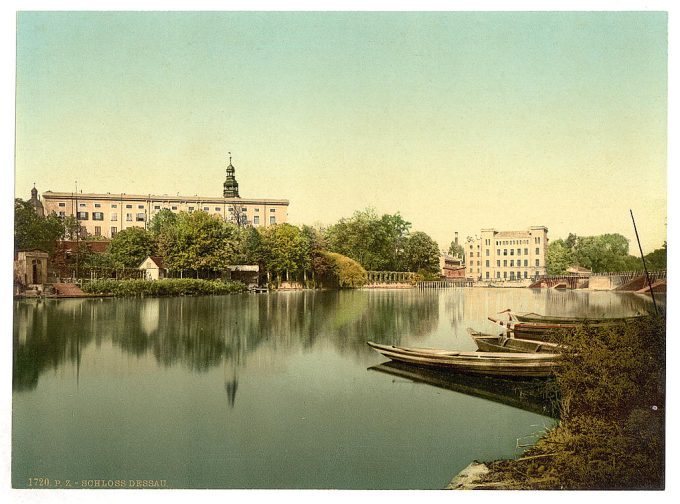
(554,319)
(540,331)
(491,343)
(485,363)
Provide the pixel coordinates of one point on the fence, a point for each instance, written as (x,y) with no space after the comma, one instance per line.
(445,284)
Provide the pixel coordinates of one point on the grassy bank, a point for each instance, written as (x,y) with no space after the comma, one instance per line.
(611,430)
(165,287)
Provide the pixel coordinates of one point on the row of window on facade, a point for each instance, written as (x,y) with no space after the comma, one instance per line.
(505,252)
(537,240)
(505,263)
(173,208)
(140,217)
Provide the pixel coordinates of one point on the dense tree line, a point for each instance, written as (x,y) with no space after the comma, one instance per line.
(603,253)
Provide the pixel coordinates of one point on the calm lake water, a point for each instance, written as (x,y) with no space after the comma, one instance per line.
(268,391)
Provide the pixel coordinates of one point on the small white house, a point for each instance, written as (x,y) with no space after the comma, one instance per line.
(153,268)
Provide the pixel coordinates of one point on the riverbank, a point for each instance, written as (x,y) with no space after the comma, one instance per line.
(611,434)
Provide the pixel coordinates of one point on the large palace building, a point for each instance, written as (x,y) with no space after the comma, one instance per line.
(507,255)
(107,214)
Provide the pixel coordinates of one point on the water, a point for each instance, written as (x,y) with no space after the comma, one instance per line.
(266,391)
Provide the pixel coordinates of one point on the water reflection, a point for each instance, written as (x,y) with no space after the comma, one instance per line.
(537,395)
(201,333)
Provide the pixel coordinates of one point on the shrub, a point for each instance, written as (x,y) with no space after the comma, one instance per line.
(165,287)
(346,272)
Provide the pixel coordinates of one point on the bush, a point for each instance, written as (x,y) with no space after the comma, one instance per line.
(165,287)
(345,271)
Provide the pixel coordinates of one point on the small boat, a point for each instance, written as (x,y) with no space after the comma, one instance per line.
(540,330)
(554,319)
(501,343)
(484,363)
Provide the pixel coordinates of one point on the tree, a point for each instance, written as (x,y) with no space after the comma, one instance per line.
(421,253)
(456,250)
(377,243)
(165,218)
(344,271)
(656,260)
(131,246)
(284,249)
(199,242)
(34,232)
(559,257)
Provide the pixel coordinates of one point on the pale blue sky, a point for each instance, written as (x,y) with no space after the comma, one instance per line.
(460,121)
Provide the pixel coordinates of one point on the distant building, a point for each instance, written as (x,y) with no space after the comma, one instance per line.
(36,203)
(107,214)
(507,255)
(451,266)
(153,267)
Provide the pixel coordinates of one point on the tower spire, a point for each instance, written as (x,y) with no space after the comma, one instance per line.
(230,184)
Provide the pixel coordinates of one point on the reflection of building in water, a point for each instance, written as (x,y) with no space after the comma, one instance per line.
(149,314)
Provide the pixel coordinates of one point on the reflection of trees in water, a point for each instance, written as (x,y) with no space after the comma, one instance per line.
(202,332)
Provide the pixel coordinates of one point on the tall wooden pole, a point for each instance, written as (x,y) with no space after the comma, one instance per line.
(644,264)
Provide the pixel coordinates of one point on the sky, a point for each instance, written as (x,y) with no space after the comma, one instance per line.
(457,120)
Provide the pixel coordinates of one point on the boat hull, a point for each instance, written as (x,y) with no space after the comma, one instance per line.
(490,343)
(482,363)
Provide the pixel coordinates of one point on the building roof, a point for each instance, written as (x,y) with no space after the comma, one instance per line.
(157,260)
(52,195)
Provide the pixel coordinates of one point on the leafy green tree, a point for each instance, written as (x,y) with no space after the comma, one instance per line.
(656,260)
(34,232)
(421,253)
(559,257)
(456,250)
(131,246)
(284,249)
(377,243)
(72,228)
(199,242)
(165,218)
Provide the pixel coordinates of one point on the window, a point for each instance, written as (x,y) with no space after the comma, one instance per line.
(505,263)
(114,206)
(114,231)
(487,274)
(512,263)
(538,251)
(128,217)
(498,263)
(98,216)
(512,252)
(487,263)
(272,210)
(140,217)
(128,206)
(526,275)
(217,209)
(512,275)
(114,216)
(519,251)
(536,262)
(526,251)
(82,205)
(173,208)
(256,219)
(487,252)
(140,207)
(157,207)
(97,205)
(498,251)
(81,215)
(206,209)
(505,251)
(498,274)
(97,230)
(256,210)
(62,204)
(272,219)
(505,274)
(526,262)
(191,209)
(244,209)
